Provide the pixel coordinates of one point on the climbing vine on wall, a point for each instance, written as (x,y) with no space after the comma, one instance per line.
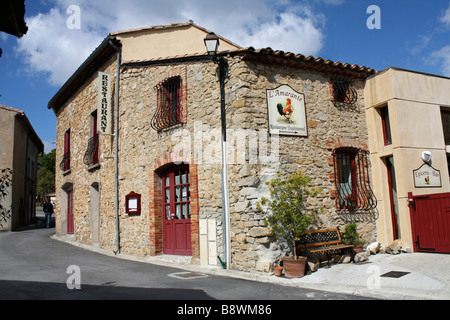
(5,183)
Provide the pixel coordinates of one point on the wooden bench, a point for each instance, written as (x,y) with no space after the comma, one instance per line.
(326,241)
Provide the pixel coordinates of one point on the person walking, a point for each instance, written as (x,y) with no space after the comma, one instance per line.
(48,210)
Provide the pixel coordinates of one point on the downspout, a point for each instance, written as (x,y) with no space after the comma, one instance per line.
(116,140)
(223,74)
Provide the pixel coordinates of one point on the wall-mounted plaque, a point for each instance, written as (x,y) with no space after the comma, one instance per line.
(427,177)
(286,109)
(133,203)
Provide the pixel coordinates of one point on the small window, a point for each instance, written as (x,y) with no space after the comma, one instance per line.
(168,111)
(65,163)
(445,115)
(91,155)
(343,93)
(448,164)
(386,126)
(351,168)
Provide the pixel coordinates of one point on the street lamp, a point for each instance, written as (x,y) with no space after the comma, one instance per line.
(212,44)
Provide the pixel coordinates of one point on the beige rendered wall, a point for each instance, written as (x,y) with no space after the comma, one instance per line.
(414,101)
(149,44)
(7,121)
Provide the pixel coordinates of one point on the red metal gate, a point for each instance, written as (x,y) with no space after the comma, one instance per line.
(430,221)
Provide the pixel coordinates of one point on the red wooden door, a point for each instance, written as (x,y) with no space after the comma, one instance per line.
(176,212)
(430,219)
(70,219)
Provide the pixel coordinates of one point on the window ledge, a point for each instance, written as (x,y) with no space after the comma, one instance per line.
(93,167)
(67,172)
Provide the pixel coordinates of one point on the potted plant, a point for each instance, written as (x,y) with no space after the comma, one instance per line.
(351,236)
(278,270)
(350,202)
(288,216)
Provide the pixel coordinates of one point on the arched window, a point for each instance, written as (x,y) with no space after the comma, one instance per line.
(169,108)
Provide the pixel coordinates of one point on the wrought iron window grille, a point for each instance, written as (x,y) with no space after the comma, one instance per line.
(65,163)
(168,110)
(344,95)
(352,179)
(91,155)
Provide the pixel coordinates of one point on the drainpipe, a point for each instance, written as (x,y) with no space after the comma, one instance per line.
(223,74)
(116,140)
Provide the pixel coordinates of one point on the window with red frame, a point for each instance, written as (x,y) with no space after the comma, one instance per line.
(65,163)
(384,112)
(351,167)
(91,155)
(176,194)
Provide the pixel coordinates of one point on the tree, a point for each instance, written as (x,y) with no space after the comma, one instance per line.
(288,196)
(46,174)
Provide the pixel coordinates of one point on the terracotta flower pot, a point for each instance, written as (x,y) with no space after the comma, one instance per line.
(358,248)
(278,270)
(294,268)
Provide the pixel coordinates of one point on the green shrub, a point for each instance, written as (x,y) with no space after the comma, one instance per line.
(289,216)
(351,235)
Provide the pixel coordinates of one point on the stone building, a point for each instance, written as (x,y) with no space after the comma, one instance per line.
(166,129)
(19,149)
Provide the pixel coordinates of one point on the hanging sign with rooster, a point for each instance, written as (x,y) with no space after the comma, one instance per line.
(427,177)
(286,109)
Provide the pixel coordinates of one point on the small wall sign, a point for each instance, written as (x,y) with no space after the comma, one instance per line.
(286,109)
(133,203)
(427,177)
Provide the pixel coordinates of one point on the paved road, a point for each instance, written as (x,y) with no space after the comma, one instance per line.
(34,266)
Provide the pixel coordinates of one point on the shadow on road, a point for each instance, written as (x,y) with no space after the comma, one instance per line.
(39,222)
(32,290)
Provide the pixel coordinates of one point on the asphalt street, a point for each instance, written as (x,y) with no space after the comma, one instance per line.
(35,266)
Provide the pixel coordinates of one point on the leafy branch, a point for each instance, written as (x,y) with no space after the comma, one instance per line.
(288,196)
(5,183)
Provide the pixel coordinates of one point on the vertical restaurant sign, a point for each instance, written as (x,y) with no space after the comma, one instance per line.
(286,109)
(104,110)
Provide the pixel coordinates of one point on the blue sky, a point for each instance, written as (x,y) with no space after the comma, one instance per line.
(414,34)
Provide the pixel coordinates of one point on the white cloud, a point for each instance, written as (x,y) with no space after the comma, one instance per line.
(446,17)
(290,33)
(443,55)
(51,47)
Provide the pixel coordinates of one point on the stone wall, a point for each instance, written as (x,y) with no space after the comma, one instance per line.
(329,127)
(76,116)
(144,152)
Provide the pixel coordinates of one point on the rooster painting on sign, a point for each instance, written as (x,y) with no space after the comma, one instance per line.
(286,112)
